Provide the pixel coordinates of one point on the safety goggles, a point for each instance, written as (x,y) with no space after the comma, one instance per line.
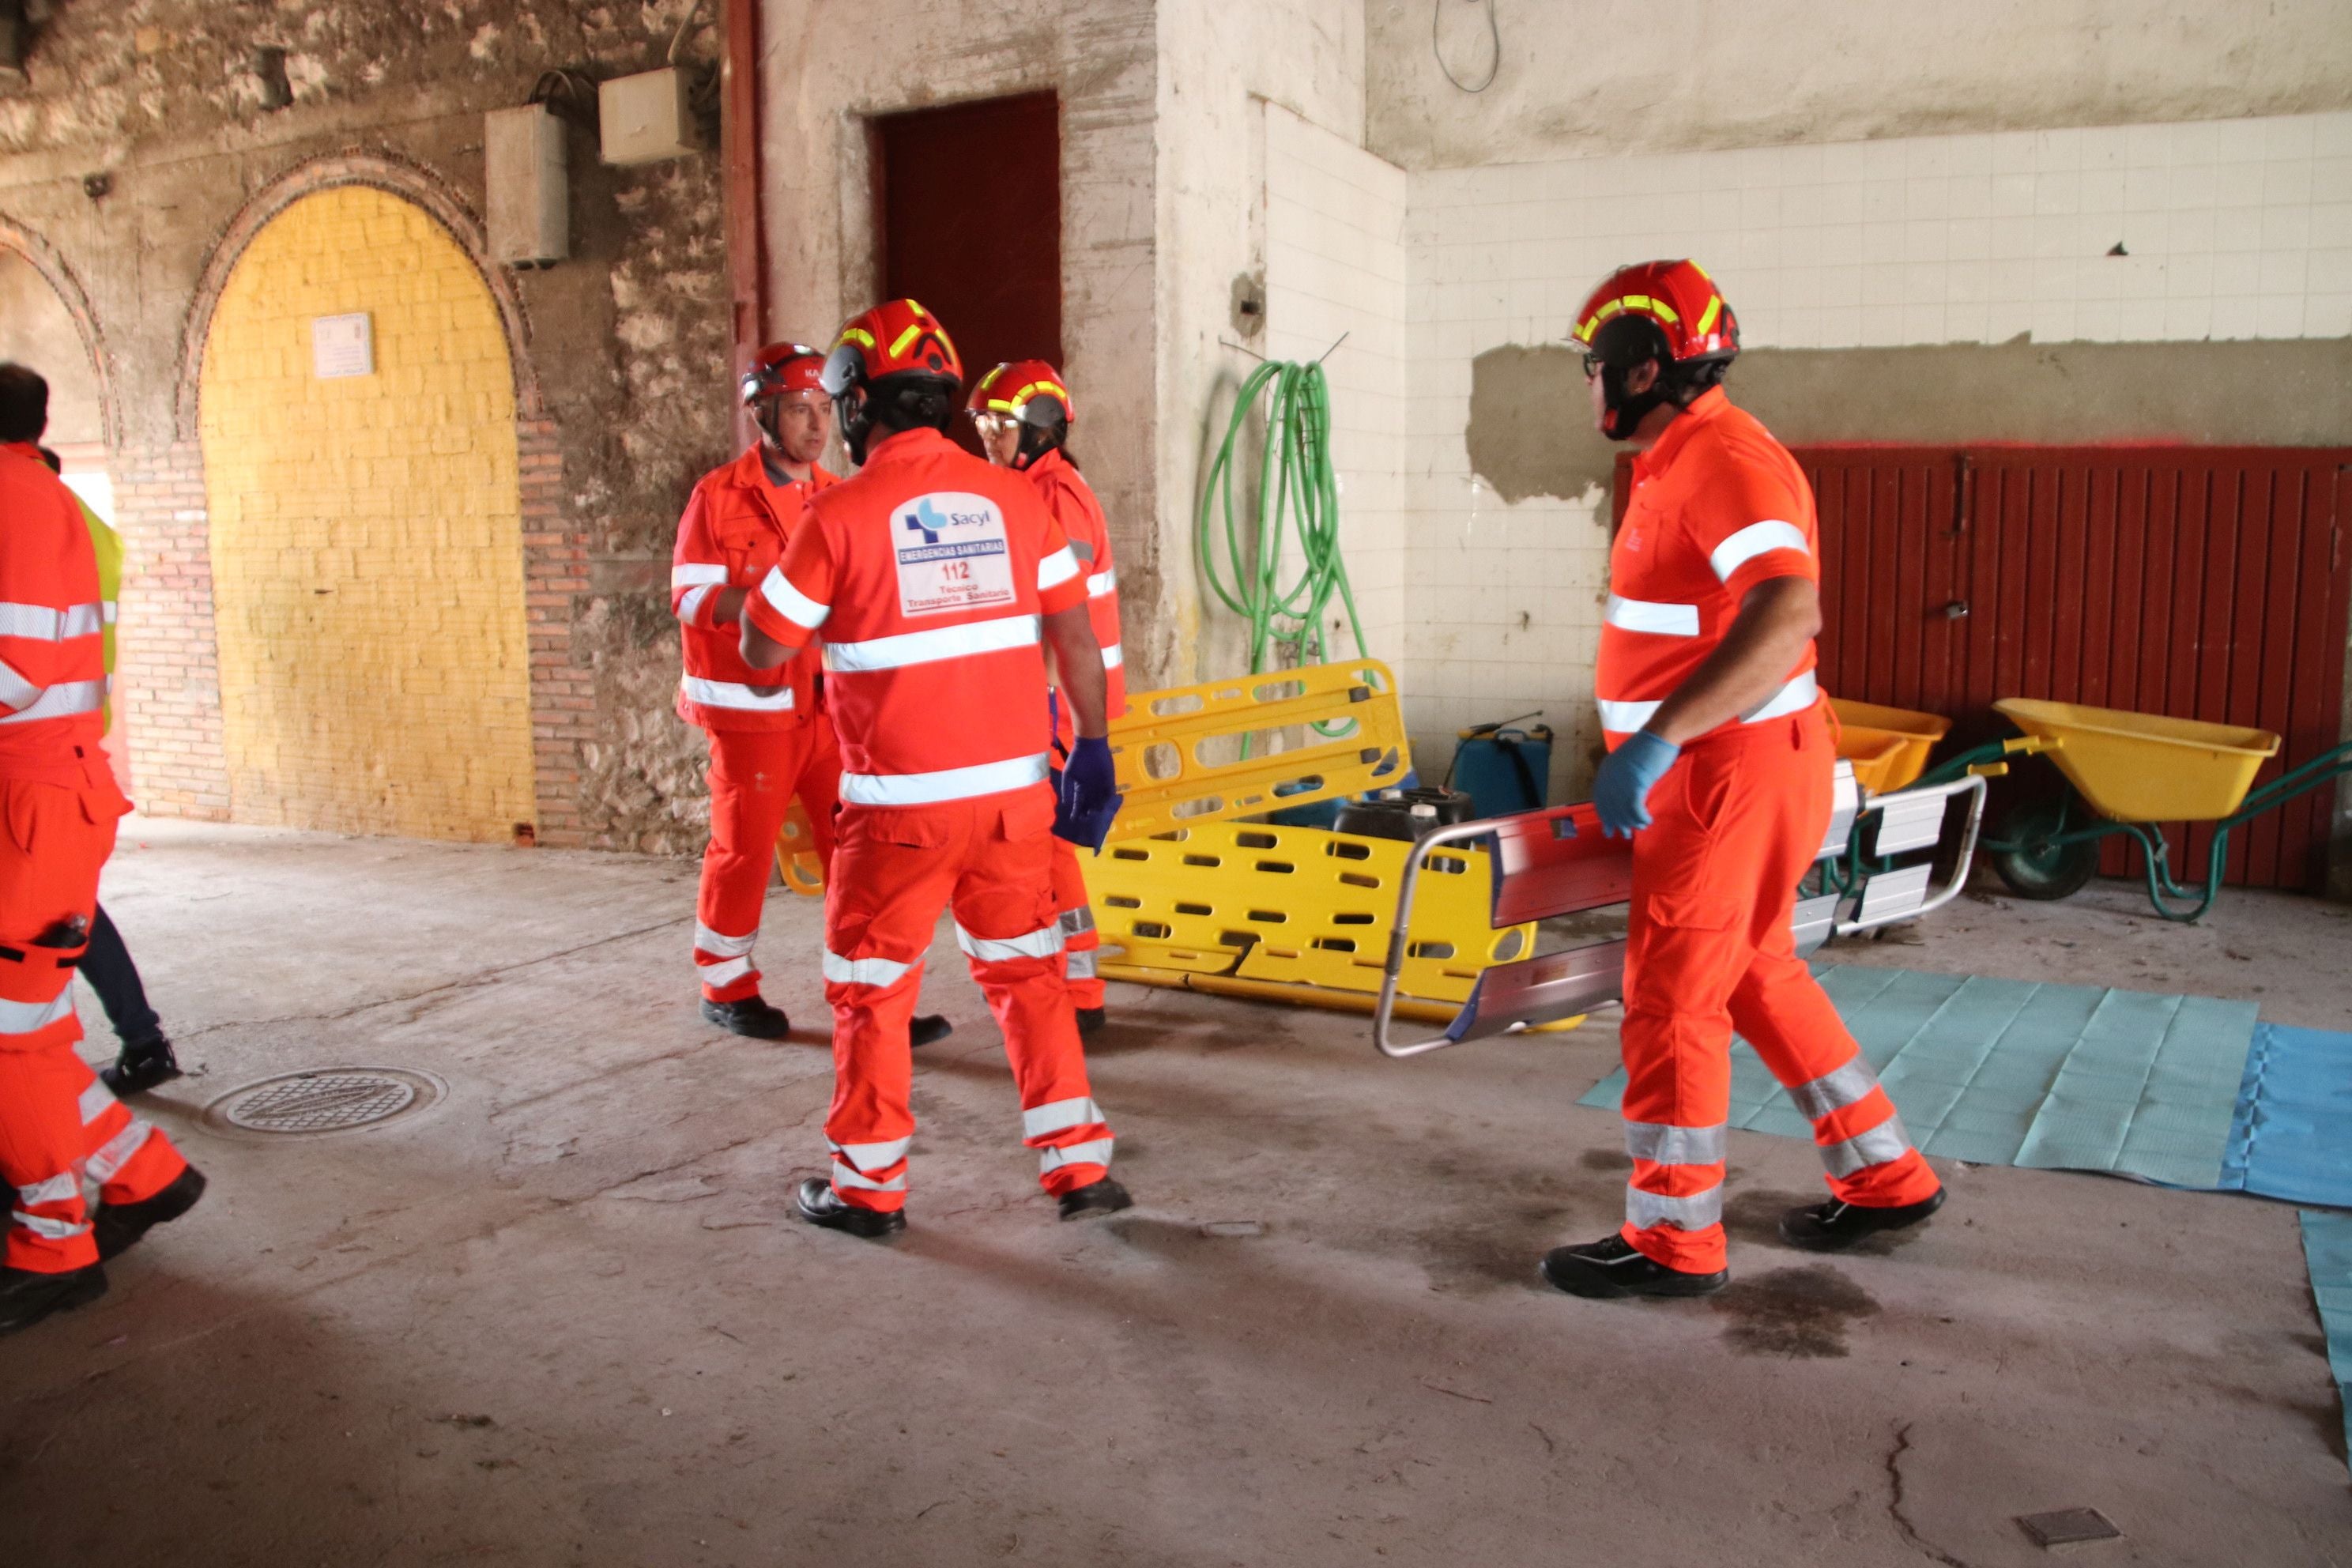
(994,423)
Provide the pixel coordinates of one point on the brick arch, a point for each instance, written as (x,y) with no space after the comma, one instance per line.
(410,182)
(45,260)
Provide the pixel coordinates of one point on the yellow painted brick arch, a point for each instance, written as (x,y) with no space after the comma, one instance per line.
(366,533)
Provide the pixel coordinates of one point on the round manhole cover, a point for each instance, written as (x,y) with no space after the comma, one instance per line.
(328,1099)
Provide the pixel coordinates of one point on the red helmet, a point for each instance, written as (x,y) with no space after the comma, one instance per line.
(1694,320)
(781,367)
(1010,387)
(1669,311)
(896,338)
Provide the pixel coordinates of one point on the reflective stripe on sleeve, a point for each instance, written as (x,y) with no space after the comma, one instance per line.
(713,942)
(1095,1152)
(790,602)
(689,604)
(1056,569)
(42,623)
(49,1229)
(1043,944)
(687,574)
(52,702)
(1102,583)
(930,646)
(1081,919)
(1666,1145)
(947,784)
(1083,963)
(1696,1212)
(1059,1116)
(864,971)
(117,1150)
(107,611)
(734,694)
(96,1101)
(23,1017)
(1756,539)
(1113,657)
(1890,1140)
(1836,1090)
(1650,616)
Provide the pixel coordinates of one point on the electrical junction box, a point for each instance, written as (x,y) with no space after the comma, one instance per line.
(526,168)
(646,117)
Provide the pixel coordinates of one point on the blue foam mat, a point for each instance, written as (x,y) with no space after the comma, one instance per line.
(2291,1135)
(2012,1072)
(2328,1248)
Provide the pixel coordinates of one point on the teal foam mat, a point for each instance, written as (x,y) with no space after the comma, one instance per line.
(2010,1072)
(2327,1247)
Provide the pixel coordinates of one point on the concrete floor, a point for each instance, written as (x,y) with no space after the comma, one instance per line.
(562,1317)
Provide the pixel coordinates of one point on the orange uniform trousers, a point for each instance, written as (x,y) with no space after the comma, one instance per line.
(59,1125)
(1081,943)
(893,870)
(1736,822)
(754,773)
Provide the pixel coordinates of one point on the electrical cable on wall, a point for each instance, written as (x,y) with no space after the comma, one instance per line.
(1288,622)
(1494,35)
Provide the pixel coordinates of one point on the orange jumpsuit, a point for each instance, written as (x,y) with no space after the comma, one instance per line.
(1718,507)
(1072,501)
(769,738)
(926,573)
(59,1125)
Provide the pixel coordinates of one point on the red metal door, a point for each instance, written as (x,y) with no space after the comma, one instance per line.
(2203,583)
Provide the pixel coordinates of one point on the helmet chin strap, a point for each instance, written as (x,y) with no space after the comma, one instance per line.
(1035,442)
(856,425)
(1626,410)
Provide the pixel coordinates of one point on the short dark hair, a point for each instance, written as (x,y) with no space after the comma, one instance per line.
(24,402)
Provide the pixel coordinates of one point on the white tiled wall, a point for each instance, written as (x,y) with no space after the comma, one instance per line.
(1335,269)
(2231,230)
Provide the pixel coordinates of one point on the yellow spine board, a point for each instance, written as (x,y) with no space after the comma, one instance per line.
(1179,752)
(1296,906)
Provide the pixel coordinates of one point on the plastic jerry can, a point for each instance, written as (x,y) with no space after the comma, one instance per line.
(1503,768)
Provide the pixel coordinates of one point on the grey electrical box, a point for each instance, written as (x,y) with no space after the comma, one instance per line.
(646,117)
(530,202)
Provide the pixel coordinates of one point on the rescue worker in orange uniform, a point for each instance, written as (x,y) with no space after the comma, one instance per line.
(769,737)
(1023,413)
(1719,767)
(59,1126)
(937,581)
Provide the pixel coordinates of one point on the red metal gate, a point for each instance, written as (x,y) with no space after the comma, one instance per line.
(2203,583)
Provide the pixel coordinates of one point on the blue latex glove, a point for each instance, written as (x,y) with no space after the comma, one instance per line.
(1620,791)
(1085,793)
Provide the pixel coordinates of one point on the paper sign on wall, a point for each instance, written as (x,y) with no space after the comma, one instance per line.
(342,346)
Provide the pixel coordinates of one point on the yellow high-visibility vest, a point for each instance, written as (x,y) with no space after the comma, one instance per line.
(107,546)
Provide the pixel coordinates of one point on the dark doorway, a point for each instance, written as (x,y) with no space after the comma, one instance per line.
(971,208)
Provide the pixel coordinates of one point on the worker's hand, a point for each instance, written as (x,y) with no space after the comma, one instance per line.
(1620,791)
(1086,793)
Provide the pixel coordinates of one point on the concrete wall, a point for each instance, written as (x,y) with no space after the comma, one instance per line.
(825,68)
(1580,76)
(627,341)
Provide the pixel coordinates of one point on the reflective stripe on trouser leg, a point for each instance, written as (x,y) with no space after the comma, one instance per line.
(44,1140)
(1081,943)
(883,899)
(752,778)
(128,1159)
(1867,1155)
(1007,894)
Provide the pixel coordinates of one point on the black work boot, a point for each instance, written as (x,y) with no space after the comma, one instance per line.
(1105,1197)
(928,1028)
(820,1205)
(750,1016)
(119,1226)
(139,1068)
(1090,1019)
(1837,1225)
(26,1297)
(1613,1266)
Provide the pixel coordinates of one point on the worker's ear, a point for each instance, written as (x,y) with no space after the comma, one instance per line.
(1642,377)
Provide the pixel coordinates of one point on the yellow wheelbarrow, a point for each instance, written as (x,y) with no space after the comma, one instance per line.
(2131,773)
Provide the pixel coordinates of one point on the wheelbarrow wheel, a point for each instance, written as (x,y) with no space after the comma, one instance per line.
(2039,868)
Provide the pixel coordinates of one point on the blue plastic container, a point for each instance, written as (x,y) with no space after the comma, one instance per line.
(1503,769)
